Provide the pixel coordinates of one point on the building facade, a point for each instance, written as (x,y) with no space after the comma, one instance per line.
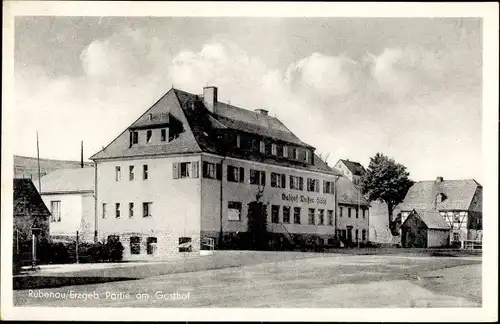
(69,195)
(29,211)
(353,221)
(424,229)
(458,202)
(351,169)
(188,167)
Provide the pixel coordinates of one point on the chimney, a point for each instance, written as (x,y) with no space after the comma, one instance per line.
(262,112)
(210,98)
(439,179)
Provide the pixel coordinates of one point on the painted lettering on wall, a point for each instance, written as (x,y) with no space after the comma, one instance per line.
(303,199)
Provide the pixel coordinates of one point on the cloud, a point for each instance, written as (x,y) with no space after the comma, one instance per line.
(350,108)
(126,55)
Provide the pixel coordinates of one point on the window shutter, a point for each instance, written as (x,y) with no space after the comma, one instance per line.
(175,170)
(283,181)
(242,174)
(196,168)
(218,171)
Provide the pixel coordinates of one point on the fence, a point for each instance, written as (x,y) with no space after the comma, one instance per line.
(473,245)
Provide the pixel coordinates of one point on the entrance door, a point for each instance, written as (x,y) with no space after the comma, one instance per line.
(349,234)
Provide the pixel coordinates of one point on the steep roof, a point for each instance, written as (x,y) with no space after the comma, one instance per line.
(432,219)
(347,193)
(168,104)
(458,195)
(27,200)
(68,180)
(355,167)
(200,130)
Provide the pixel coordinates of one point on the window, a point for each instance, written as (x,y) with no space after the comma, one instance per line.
(357,212)
(131,209)
(279,150)
(312,185)
(134,138)
(278,180)
(349,212)
(104,205)
(145,172)
(185,244)
(330,217)
(118,173)
(328,187)
(274,149)
(286,214)
(55,210)
(275,214)
(285,151)
(235,174)
(364,212)
(341,211)
(117,210)
(321,217)
(149,136)
(185,170)
(357,235)
(296,183)
(135,245)
(238,140)
(131,172)
(146,209)
(151,245)
(311,216)
(212,170)
(262,147)
(257,177)
(363,235)
(456,236)
(163,134)
(234,210)
(296,215)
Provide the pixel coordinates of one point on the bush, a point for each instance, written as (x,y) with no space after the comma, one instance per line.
(113,249)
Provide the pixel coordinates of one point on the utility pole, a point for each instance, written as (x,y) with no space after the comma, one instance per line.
(38,161)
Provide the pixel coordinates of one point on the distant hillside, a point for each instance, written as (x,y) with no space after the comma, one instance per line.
(27,167)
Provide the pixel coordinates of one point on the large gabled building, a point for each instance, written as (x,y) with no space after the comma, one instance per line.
(188,167)
(459,203)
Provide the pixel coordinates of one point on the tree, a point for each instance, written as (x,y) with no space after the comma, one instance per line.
(386,181)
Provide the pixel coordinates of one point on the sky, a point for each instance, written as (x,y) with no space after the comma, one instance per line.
(410,88)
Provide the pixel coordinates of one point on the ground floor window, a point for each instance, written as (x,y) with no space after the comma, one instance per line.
(456,236)
(296,215)
(357,235)
(311,216)
(363,235)
(185,244)
(135,245)
(286,214)
(275,214)
(151,245)
(330,217)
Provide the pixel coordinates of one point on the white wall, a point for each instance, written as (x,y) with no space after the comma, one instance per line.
(246,192)
(175,208)
(71,211)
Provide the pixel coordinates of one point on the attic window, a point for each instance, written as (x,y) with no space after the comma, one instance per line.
(149,135)
(134,138)
(440,197)
(150,116)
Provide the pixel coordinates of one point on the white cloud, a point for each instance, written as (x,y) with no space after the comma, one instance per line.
(348,108)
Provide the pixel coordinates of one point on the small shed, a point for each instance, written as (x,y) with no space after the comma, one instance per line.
(424,229)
